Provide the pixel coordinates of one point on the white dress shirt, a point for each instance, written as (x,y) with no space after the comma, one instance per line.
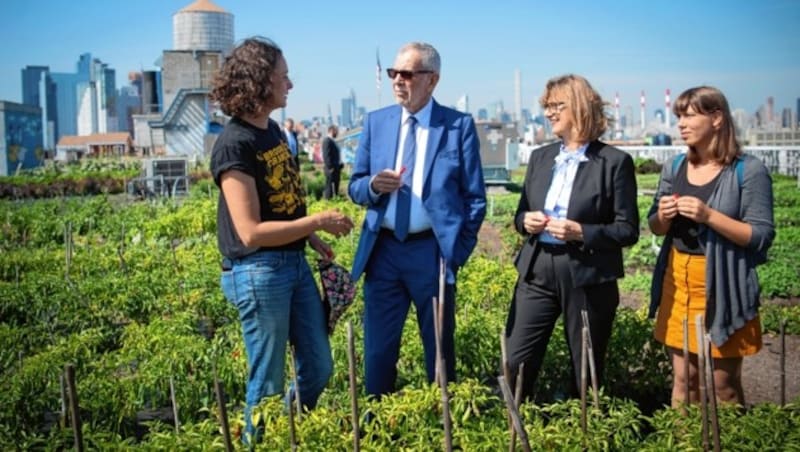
(419,221)
(558,195)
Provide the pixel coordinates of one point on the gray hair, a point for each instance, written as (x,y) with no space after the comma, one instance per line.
(430,57)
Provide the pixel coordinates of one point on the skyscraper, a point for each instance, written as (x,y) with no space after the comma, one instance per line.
(39,90)
(96,97)
(786,118)
(462,104)
(770,111)
(348,111)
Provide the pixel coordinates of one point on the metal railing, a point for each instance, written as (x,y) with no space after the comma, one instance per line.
(150,187)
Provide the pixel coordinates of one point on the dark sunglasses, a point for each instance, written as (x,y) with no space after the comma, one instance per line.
(405,75)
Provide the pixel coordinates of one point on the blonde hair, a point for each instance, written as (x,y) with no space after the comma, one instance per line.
(707,100)
(585,105)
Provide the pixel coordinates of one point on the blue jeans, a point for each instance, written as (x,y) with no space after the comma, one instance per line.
(277,299)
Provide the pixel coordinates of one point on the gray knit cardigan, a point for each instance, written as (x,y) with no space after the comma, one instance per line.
(732,289)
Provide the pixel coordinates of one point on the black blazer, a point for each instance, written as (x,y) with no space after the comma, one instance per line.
(603,201)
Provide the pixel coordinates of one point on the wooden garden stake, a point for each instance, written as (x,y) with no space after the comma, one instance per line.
(63,417)
(514,413)
(507,376)
(75,415)
(351,360)
(701,371)
(223,413)
(292,434)
(686,362)
(296,386)
(712,394)
(590,357)
(442,376)
(174,404)
(584,349)
(121,251)
(783,362)
(67,249)
(517,402)
(438,313)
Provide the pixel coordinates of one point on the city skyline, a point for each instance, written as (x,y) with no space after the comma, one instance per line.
(746,49)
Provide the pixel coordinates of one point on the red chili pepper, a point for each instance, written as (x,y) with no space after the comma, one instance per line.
(402,170)
(675,196)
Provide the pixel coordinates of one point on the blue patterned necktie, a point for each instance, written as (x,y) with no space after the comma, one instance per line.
(403,208)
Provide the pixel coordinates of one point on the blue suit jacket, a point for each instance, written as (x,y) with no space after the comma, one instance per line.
(453,193)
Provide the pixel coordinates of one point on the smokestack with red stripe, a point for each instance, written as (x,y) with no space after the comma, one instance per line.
(667,110)
(642,116)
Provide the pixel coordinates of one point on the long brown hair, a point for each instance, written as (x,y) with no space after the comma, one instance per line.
(244,83)
(707,100)
(584,102)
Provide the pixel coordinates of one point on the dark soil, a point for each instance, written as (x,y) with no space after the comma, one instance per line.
(761,373)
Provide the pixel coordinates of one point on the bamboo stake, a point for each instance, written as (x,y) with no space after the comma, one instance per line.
(296,386)
(438,317)
(174,405)
(442,376)
(507,375)
(351,360)
(62,419)
(223,414)
(67,249)
(687,399)
(292,434)
(712,396)
(436,369)
(514,413)
(590,355)
(584,347)
(701,370)
(75,414)
(783,362)
(517,403)
(121,251)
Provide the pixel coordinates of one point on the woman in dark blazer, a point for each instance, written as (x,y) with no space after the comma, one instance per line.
(577,210)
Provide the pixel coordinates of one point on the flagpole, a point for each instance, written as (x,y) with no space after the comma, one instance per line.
(378,75)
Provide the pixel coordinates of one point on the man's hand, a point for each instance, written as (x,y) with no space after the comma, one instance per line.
(387,181)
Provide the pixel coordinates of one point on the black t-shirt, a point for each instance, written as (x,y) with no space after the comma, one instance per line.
(264,155)
(685,232)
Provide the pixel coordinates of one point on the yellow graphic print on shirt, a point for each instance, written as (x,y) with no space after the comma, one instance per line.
(286,192)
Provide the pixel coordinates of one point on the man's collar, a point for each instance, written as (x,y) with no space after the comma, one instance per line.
(423,115)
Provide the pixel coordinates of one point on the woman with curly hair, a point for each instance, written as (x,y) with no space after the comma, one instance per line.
(262,230)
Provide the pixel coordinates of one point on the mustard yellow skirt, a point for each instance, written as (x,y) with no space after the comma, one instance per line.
(683,296)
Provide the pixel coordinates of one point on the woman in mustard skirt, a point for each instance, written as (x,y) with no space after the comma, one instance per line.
(714,204)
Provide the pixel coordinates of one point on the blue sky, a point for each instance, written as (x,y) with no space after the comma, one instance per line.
(749,49)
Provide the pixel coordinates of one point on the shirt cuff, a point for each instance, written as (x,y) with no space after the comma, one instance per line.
(373,196)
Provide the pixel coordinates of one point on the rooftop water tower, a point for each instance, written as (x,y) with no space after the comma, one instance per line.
(202,26)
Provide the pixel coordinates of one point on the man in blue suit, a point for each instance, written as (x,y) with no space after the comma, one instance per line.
(418,172)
